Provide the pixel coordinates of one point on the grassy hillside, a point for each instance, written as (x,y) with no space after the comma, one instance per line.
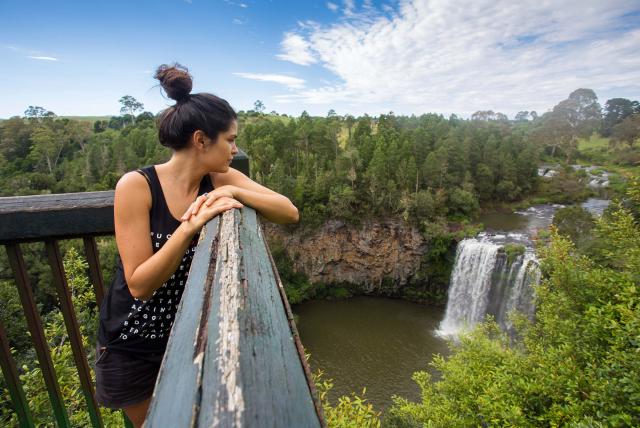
(86,118)
(597,150)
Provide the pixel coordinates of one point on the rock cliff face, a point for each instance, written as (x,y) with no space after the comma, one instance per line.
(374,256)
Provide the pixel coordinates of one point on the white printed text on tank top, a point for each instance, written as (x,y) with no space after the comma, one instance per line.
(152,319)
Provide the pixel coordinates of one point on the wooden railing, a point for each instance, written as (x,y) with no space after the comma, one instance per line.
(51,218)
(234,357)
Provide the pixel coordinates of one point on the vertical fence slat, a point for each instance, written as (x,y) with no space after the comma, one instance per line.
(12,379)
(95,274)
(37,333)
(73,330)
(126,421)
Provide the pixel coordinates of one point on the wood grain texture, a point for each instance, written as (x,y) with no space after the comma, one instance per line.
(296,336)
(29,218)
(251,373)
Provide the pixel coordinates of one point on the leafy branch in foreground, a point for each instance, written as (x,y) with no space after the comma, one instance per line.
(350,411)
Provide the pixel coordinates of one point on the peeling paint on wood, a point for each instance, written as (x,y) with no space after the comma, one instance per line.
(247,367)
(229,401)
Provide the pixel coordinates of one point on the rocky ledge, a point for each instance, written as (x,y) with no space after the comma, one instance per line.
(374,255)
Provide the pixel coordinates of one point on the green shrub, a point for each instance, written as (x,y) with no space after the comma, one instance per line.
(512,251)
(350,411)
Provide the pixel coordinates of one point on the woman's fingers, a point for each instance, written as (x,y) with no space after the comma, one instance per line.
(198,202)
(208,201)
(225,203)
(232,203)
(217,194)
(221,204)
(187,213)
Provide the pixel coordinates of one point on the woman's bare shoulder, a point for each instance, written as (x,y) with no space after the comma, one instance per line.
(132,186)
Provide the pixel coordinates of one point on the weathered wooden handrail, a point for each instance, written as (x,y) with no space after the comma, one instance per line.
(56,216)
(268,324)
(234,354)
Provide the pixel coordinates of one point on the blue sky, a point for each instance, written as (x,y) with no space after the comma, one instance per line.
(406,56)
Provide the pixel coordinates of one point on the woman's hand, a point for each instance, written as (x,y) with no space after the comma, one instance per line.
(207,212)
(208,199)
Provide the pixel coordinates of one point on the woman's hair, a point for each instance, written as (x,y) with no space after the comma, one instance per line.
(203,111)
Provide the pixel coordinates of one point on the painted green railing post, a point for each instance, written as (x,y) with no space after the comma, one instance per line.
(34,324)
(12,379)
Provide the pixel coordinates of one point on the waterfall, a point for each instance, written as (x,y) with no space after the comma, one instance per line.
(470,284)
(484,282)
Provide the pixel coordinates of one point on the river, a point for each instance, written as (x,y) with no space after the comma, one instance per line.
(370,342)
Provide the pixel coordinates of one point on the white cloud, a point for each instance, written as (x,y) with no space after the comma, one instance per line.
(348,7)
(233,3)
(288,81)
(31,53)
(465,56)
(332,6)
(238,21)
(296,49)
(43,58)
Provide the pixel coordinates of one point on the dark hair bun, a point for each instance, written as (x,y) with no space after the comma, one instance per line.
(175,80)
(203,111)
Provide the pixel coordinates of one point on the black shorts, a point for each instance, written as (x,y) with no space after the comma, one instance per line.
(123,379)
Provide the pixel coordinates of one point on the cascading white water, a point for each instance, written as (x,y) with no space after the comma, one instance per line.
(470,284)
(484,282)
(521,297)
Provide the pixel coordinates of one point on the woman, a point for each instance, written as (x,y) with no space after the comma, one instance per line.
(155,248)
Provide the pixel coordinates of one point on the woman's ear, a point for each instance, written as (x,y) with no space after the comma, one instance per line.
(199,139)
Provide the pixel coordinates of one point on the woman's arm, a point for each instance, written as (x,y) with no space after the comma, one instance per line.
(145,271)
(273,206)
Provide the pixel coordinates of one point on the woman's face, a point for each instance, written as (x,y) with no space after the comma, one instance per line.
(221,153)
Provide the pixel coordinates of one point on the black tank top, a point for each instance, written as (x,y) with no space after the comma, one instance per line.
(128,324)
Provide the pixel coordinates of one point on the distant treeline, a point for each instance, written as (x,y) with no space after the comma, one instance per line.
(419,167)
